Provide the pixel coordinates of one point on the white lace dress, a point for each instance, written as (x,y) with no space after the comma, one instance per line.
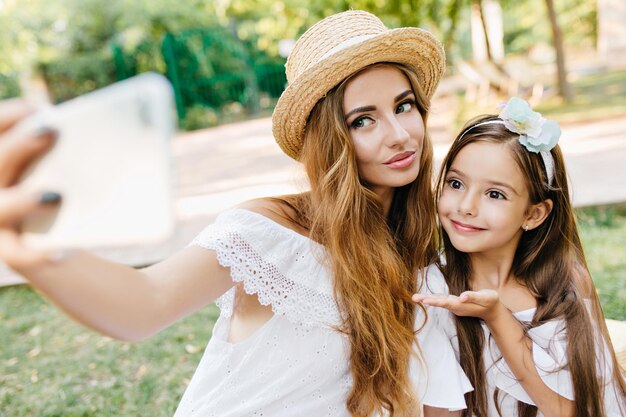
(549,350)
(296,364)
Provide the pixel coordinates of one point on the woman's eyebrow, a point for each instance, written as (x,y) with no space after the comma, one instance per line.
(372,108)
(402,95)
(359,110)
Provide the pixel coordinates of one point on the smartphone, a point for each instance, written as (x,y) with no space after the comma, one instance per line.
(111,163)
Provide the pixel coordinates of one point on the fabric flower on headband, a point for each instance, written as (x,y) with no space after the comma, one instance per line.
(536,133)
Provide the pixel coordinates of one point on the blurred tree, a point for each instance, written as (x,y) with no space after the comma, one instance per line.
(564,88)
(47,31)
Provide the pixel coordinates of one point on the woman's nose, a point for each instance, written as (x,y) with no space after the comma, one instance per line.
(397,134)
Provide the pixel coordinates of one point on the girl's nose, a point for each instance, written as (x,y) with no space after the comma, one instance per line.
(467,205)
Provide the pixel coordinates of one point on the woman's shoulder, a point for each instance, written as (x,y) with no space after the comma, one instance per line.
(275,209)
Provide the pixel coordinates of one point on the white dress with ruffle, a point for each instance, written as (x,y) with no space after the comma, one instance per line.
(296,364)
(549,349)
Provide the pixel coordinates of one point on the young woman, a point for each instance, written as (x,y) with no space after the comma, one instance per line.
(314,289)
(528,329)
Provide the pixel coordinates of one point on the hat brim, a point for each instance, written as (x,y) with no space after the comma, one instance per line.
(413,47)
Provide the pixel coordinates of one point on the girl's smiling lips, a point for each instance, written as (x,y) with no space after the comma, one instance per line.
(401,160)
(467,228)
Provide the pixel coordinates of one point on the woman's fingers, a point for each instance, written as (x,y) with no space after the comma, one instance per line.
(15,205)
(13,110)
(18,150)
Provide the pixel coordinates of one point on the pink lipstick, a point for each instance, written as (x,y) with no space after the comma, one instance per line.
(401,160)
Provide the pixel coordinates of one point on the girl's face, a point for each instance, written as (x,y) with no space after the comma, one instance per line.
(386,128)
(484,202)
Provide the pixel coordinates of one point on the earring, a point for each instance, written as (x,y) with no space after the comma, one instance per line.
(525,227)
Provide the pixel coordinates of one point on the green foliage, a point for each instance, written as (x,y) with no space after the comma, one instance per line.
(78,74)
(603,231)
(526,24)
(199,117)
(9,86)
(70,39)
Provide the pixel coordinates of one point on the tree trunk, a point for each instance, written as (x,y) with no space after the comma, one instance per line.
(564,88)
(479,6)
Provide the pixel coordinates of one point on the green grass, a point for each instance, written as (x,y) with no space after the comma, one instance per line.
(51,366)
(603,232)
(596,96)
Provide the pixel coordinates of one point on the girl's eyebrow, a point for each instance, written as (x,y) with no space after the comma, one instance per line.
(495,183)
(504,185)
(372,108)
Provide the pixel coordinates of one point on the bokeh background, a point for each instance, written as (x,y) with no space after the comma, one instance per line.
(225,60)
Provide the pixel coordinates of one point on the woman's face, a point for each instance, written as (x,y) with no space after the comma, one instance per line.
(386,128)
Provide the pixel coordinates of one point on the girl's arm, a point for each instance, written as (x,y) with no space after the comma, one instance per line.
(120,301)
(515,346)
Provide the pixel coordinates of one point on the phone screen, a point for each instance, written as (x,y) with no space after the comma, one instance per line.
(111,163)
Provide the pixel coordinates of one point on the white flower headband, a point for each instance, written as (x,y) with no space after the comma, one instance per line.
(537,134)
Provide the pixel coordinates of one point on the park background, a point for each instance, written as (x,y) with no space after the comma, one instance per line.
(225,59)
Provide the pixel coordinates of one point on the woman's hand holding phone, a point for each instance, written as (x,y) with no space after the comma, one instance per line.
(17,152)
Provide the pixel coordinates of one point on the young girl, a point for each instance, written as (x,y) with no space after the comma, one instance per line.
(314,289)
(528,327)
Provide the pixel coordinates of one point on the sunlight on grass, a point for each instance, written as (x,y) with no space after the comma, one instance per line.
(51,366)
(596,96)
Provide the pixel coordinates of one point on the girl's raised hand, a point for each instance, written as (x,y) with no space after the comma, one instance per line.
(483,304)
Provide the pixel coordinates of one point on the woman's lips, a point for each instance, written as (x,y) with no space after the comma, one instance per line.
(465,228)
(401,160)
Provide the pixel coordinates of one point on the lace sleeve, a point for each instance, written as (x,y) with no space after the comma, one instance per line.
(274,263)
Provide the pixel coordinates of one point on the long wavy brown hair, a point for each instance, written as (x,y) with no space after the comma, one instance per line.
(374,258)
(550,262)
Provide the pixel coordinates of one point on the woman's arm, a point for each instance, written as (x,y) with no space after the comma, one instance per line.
(515,346)
(126,303)
(111,298)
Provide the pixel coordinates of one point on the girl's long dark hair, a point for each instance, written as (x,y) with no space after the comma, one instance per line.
(550,262)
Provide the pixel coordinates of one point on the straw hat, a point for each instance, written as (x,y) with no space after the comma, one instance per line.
(337,47)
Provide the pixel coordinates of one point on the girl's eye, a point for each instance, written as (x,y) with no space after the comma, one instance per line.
(404,107)
(497,195)
(456,184)
(360,122)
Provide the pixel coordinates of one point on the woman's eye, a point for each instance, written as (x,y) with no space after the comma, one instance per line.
(404,107)
(497,195)
(456,184)
(361,122)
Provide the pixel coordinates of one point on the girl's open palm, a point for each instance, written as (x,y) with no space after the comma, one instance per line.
(482,304)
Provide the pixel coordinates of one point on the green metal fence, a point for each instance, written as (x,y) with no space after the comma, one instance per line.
(209,69)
